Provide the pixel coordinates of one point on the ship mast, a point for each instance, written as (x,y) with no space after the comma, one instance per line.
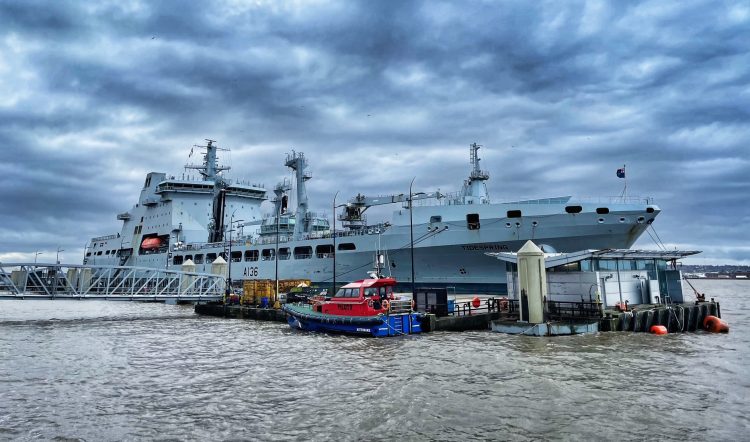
(475,189)
(298,163)
(210,170)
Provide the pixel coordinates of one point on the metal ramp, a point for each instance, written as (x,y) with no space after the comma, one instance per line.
(115,283)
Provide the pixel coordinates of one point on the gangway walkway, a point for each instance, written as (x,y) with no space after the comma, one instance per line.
(114,283)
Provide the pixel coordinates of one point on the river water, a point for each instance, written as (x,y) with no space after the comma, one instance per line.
(90,370)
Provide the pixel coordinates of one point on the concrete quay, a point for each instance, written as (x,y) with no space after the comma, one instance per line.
(240,312)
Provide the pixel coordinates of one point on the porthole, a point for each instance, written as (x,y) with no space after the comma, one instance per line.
(641,219)
(600,220)
(534,223)
(507,225)
(518,224)
(650,221)
(622,220)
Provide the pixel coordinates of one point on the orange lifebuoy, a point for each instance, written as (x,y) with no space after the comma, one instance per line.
(659,330)
(385,304)
(715,325)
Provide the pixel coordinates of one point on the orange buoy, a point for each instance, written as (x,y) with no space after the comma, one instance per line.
(476,302)
(715,325)
(659,330)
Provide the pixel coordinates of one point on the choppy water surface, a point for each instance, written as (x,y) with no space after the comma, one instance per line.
(123,371)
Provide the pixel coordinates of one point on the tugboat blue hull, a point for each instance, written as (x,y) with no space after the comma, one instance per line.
(302,318)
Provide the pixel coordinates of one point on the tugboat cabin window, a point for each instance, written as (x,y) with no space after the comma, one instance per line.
(514,214)
(371,291)
(472,221)
(352,293)
(347,246)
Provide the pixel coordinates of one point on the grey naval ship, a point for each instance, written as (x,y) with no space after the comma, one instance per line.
(206,216)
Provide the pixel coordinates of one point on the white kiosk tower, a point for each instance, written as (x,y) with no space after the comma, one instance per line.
(532,279)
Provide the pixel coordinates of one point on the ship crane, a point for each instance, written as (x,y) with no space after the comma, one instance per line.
(353,216)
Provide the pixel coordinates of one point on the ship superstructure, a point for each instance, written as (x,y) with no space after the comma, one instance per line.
(188,220)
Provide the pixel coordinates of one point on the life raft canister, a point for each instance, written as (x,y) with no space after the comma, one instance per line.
(715,325)
(659,330)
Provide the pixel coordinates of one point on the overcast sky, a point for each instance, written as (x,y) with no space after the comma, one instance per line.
(93,95)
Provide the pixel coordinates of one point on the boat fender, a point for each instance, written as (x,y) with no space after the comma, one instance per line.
(476,302)
(715,325)
(413,305)
(659,330)
(386,304)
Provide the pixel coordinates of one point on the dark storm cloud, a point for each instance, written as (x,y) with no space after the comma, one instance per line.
(93,96)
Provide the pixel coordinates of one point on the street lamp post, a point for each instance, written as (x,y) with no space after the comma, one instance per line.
(333,218)
(411,234)
(36,255)
(57,258)
(276,253)
(229,256)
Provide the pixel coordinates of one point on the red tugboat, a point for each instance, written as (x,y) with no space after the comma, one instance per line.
(364,307)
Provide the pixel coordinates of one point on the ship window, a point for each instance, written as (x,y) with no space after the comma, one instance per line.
(198,259)
(188,257)
(352,293)
(303,252)
(177,260)
(236,256)
(347,246)
(88,254)
(649,210)
(99,253)
(251,255)
(371,291)
(285,253)
(324,251)
(472,221)
(514,214)
(210,257)
(223,255)
(268,254)
(107,252)
(436,219)
(602,210)
(573,209)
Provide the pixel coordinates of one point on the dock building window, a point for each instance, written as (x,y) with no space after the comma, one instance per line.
(472,221)
(251,255)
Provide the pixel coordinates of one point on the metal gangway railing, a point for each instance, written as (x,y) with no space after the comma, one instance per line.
(117,283)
